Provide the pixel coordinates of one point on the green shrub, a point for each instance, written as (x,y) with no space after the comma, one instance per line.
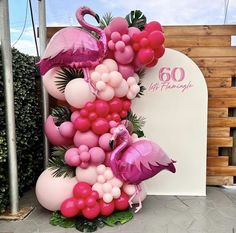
(29,135)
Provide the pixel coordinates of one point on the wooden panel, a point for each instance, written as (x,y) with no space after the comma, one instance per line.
(222,122)
(218,132)
(215,61)
(208,51)
(220,180)
(217,72)
(218,82)
(212,151)
(222,102)
(220,142)
(221,171)
(193,41)
(222,92)
(219,161)
(217,112)
(203,30)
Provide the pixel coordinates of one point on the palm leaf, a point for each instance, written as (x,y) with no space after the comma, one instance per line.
(61,114)
(65,75)
(106,20)
(141,74)
(57,164)
(136,19)
(137,121)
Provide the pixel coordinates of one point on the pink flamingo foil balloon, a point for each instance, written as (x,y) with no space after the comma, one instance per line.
(138,161)
(74,47)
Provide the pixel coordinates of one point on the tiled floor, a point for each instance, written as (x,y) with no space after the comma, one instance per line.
(215,213)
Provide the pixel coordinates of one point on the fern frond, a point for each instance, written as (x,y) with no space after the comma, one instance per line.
(137,121)
(65,75)
(57,164)
(61,114)
(106,20)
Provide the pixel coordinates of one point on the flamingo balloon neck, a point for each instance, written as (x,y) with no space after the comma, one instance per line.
(81,12)
(115,155)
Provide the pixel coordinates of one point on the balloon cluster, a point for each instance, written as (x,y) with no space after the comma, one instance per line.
(97,115)
(99,100)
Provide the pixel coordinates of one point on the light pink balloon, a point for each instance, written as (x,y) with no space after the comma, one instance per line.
(53,134)
(126,56)
(111,64)
(88,175)
(104,141)
(102,69)
(115,79)
(97,155)
(133,30)
(78,93)
(67,129)
(122,90)
(52,191)
(49,82)
(88,138)
(107,94)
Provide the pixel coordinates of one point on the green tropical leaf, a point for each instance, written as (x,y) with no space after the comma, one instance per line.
(57,164)
(138,122)
(61,114)
(85,225)
(137,19)
(106,20)
(65,75)
(59,220)
(118,217)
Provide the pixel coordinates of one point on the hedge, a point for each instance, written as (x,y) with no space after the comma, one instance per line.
(29,135)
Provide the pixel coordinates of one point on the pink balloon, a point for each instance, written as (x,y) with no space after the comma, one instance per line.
(102,108)
(133,30)
(146,55)
(97,155)
(100,126)
(120,46)
(88,175)
(52,191)
(104,141)
(156,38)
(49,82)
(67,129)
(126,56)
(74,116)
(85,156)
(115,36)
(83,148)
(72,157)
(68,208)
(88,138)
(126,70)
(115,79)
(119,24)
(53,134)
(78,93)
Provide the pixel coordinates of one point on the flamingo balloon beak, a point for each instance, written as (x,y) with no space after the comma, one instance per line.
(112,143)
(97,18)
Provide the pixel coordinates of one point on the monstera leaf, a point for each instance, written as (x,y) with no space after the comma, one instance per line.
(118,217)
(136,19)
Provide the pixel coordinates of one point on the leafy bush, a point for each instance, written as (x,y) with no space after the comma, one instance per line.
(29,135)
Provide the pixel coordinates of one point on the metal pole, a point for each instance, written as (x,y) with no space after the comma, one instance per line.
(42,41)
(9,105)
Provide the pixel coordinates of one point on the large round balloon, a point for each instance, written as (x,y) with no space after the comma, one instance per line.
(52,191)
(78,93)
(50,83)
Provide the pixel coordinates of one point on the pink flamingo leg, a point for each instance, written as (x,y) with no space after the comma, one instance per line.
(88,80)
(137,192)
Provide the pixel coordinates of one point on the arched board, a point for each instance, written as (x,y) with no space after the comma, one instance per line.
(175,107)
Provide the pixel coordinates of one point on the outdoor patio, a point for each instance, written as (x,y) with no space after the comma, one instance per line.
(215,213)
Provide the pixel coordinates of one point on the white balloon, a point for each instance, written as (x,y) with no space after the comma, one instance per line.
(88,175)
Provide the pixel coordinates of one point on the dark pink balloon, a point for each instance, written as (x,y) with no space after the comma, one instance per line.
(68,208)
(145,56)
(100,126)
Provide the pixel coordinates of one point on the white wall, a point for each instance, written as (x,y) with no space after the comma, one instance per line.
(176,119)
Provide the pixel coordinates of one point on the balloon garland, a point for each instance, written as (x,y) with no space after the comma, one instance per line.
(98,165)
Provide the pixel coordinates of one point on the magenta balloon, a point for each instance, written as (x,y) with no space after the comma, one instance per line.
(139,161)
(126,70)
(126,56)
(53,134)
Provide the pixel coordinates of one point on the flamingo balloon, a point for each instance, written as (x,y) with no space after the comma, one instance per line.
(74,47)
(138,161)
